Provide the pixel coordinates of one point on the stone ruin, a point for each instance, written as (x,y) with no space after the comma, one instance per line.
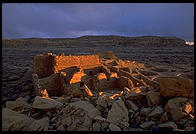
(80,75)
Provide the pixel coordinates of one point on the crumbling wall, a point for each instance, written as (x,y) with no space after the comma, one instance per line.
(45,65)
(84,62)
(42,65)
(52,84)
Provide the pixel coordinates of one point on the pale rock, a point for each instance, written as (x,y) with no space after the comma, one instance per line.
(147,125)
(153,98)
(19,105)
(131,105)
(88,107)
(177,107)
(61,99)
(118,113)
(176,87)
(145,111)
(45,103)
(96,126)
(156,112)
(99,118)
(39,125)
(114,127)
(189,129)
(13,121)
(168,124)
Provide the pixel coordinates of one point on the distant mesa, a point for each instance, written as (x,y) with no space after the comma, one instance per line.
(102,39)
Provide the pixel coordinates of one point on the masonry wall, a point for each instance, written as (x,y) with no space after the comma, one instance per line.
(42,65)
(84,62)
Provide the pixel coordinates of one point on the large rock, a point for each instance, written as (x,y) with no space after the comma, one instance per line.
(153,98)
(145,111)
(39,125)
(51,83)
(19,105)
(118,113)
(177,107)
(176,87)
(131,105)
(156,112)
(88,107)
(45,103)
(13,121)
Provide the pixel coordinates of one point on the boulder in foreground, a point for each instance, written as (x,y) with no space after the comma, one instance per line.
(13,121)
(177,107)
(176,87)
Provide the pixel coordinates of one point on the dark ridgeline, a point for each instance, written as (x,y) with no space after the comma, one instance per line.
(106,40)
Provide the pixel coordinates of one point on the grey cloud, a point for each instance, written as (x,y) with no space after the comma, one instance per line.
(77,19)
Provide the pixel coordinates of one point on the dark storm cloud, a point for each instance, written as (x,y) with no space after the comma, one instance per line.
(77,19)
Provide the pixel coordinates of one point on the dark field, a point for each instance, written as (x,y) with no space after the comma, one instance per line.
(17,61)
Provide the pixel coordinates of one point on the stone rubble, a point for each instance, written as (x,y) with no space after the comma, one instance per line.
(108,95)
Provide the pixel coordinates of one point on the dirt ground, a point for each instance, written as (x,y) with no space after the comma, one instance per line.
(17,62)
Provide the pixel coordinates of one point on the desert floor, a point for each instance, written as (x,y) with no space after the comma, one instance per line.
(17,62)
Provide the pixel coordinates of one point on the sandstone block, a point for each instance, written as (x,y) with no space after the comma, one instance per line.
(39,125)
(118,113)
(177,107)
(19,105)
(45,103)
(156,112)
(176,87)
(13,121)
(52,84)
(153,98)
(88,107)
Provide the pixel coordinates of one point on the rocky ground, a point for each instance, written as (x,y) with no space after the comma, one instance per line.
(138,108)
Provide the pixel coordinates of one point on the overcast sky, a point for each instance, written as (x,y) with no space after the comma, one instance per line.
(52,20)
